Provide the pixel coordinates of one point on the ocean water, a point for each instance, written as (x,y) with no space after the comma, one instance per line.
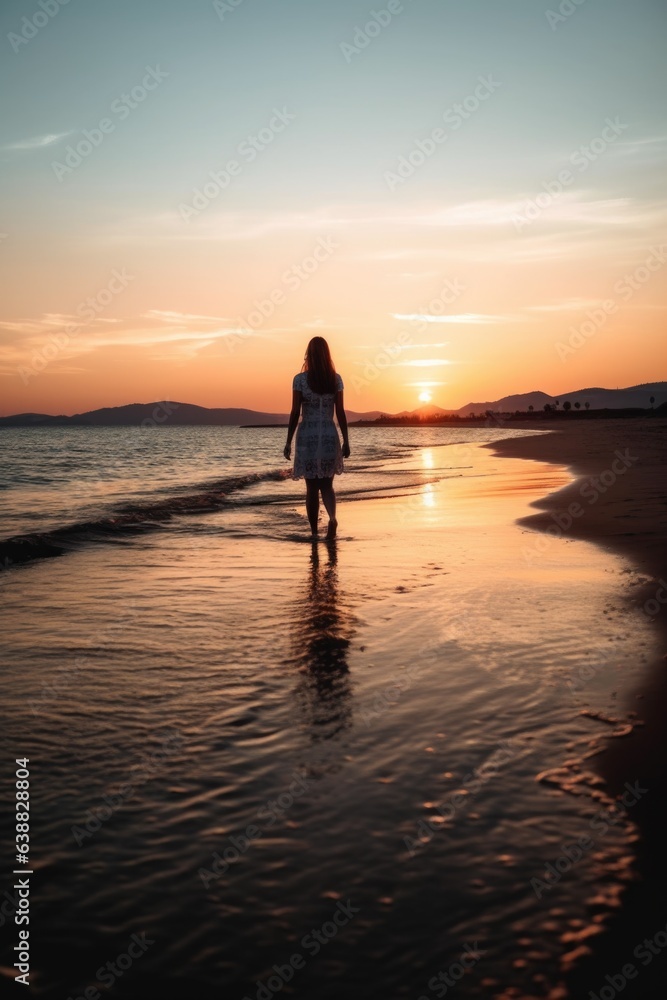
(313,770)
(53,478)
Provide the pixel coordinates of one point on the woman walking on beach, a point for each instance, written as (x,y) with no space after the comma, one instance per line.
(318,456)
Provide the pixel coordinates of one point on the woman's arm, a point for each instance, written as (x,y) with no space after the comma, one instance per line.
(297,396)
(342,423)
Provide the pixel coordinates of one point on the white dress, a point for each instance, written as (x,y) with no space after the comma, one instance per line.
(317,451)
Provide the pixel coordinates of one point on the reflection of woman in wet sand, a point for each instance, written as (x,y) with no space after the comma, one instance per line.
(324,630)
(318,456)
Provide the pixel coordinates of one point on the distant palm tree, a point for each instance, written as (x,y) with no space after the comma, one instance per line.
(547,408)
(577,405)
(587,405)
(567,405)
(556,403)
(652,400)
(530,409)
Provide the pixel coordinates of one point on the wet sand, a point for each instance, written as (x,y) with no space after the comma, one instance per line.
(619,501)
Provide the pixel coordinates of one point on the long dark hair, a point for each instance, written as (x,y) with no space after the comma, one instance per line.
(319,367)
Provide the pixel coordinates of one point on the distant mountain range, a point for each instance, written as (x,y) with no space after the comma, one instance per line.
(188,414)
(598,399)
(158,414)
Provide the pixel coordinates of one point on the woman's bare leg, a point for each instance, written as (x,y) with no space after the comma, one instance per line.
(329,501)
(312,503)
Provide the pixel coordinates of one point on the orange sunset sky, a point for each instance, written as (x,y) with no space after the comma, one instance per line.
(448,197)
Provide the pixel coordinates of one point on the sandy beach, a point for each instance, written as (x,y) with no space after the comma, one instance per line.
(619,500)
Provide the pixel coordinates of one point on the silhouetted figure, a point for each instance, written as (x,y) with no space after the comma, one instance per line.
(318,455)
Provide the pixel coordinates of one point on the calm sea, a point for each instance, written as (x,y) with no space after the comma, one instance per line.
(54,478)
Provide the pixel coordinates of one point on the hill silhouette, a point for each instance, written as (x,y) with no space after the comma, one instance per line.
(176,414)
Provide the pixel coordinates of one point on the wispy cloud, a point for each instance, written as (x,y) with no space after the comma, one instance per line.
(459,318)
(38,141)
(163,340)
(167,316)
(23,326)
(137,337)
(646,144)
(426,236)
(49,322)
(570,305)
(425,385)
(424,363)
(414,275)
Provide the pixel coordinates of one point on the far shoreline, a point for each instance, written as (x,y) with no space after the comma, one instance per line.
(533,421)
